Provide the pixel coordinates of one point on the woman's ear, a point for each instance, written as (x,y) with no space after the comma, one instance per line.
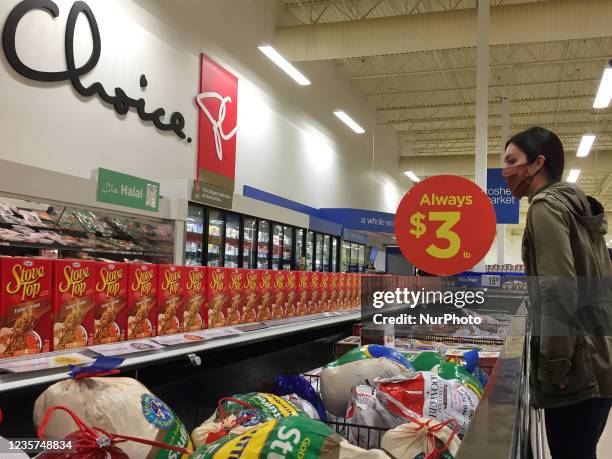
(539,164)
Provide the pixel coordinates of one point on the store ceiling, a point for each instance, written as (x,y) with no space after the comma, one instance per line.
(429,96)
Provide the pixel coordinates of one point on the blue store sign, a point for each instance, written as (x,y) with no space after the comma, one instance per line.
(506,206)
(359,219)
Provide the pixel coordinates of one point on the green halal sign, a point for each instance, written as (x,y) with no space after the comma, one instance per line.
(127,190)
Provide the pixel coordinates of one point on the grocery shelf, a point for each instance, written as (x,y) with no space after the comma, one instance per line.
(258,332)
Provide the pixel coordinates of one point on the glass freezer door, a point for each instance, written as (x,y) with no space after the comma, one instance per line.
(326,253)
(319,253)
(194,232)
(263,244)
(277,241)
(354,266)
(287,247)
(361,258)
(232,241)
(216,224)
(334,254)
(346,256)
(249,252)
(310,251)
(299,245)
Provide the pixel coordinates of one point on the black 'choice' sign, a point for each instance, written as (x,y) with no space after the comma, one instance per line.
(120,101)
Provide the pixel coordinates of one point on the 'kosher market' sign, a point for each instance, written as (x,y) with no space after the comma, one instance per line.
(506,206)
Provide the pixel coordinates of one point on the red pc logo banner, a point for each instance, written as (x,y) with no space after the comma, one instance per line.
(218,124)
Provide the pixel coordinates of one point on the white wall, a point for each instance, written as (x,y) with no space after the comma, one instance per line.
(289,142)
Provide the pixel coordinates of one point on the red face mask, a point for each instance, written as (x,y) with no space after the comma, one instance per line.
(518,179)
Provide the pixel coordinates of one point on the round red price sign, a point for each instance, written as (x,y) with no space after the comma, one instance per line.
(445,224)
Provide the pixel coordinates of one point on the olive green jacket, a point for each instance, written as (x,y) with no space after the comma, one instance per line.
(564,246)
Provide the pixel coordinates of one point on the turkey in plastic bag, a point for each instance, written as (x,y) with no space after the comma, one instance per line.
(116,405)
(286,438)
(358,367)
(421,438)
(240,412)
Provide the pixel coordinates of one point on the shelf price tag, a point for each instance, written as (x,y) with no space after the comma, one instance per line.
(445,225)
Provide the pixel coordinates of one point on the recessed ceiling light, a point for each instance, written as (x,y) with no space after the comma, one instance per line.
(350,122)
(573,175)
(585,145)
(604,93)
(284,64)
(411,175)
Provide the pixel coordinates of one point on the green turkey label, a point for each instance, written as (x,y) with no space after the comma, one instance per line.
(286,438)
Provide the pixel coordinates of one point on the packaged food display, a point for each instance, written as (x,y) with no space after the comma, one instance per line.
(289,438)
(278,288)
(290,294)
(218,296)
(111,302)
(117,405)
(264,285)
(324,285)
(142,300)
(314,295)
(196,309)
(74,304)
(171,299)
(251,296)
(342,293)
(246,411)
(235,308)
(26,306)
(333,291)
(356,367)
(302,293)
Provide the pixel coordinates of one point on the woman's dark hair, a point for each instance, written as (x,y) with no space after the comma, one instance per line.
(537,141)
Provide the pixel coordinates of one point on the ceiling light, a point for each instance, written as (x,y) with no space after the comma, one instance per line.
(350,122)
(573,175)
(284,64)
(604,93)
(585,145)
(412,176)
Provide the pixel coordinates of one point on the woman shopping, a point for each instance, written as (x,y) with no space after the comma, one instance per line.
(566,259)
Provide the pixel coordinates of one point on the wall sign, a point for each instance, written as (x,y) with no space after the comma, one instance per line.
(120,101)
(212,195)
(127,190)
(218,124)
(506,206)
(360,219)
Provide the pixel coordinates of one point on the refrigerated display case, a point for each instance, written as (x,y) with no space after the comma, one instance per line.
(326,253)
(277,245)
(263,244)
(310,251)
(334,254)
(287,248)
(194,233)
(346,256)
(31,227)
(232,241)
(319,252)
(249,250)
(361,261)
(300,244)
(216,226)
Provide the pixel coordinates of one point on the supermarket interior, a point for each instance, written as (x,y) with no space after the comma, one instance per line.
(198,209)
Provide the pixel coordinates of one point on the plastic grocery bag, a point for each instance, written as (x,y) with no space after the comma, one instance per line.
(287,438)
(298,385)
(356,367)
(427,394)
(421,438)
(240,412)
(436,363)
(95,443)
(371,351)
(116,405)
(304,405)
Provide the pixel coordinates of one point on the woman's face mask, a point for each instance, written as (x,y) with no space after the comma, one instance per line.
(518,179)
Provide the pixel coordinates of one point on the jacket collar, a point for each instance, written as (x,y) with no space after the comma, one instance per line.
(540,190)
